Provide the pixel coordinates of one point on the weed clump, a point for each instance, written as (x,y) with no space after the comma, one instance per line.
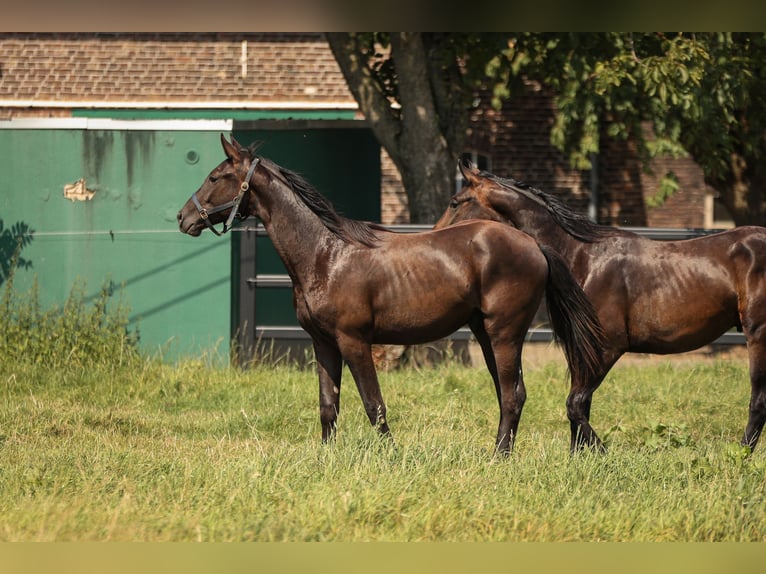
(85,331)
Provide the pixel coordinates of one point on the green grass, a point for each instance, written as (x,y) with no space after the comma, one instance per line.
(153,452)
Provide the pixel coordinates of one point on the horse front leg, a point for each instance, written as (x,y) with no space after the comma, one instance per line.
(757,411)
(330,370)
(358,355)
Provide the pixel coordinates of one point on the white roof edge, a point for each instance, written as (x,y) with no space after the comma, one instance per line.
(193,105)
(110,124)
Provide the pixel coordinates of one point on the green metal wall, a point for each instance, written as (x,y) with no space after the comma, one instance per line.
(177,287)
(342,163)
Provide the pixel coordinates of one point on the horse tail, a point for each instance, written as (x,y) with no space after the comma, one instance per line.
(574,320)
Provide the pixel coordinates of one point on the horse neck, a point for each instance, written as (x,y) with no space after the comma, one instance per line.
(536,221)
(298,235)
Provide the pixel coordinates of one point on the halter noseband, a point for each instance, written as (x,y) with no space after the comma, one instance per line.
(233,204)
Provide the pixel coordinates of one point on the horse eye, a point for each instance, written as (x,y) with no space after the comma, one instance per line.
(213,178)
(453,203)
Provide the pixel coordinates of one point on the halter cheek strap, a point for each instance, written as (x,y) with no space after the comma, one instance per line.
(233,204)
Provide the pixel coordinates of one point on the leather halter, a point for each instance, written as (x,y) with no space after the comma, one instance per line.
(233,204)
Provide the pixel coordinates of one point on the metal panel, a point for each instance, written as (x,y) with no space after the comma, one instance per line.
(177,287)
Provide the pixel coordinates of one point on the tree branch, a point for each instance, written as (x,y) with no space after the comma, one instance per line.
(354,64)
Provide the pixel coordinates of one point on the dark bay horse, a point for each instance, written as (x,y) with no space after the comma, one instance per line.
(355,284)
(651,296)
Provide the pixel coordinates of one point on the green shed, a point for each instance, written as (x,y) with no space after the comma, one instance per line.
(101,196)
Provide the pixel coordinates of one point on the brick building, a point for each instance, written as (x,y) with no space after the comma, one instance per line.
(288,75)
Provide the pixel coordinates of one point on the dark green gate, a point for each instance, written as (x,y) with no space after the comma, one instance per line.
(343,162)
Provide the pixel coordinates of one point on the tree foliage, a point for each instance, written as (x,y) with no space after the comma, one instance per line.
(12,240)
(703,94)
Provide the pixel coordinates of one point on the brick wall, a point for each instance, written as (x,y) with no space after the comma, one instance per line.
(625,188)
(517,139)
(299,67)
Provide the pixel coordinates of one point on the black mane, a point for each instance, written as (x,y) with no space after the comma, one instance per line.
(576,225)
(349,230)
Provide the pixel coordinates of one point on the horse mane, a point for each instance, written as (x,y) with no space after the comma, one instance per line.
(349,230)
(576,225)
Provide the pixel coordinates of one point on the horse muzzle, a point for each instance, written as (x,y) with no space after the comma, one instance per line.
(188,225)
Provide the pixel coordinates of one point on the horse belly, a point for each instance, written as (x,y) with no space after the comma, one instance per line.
(678,301)
(419,321)
(673,332)
(421,307)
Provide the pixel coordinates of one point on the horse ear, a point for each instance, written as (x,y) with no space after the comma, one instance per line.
(235,143)
(230,149)
(468,170)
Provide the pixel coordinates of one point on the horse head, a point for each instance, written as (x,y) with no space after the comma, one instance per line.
(473,201)
(222,197)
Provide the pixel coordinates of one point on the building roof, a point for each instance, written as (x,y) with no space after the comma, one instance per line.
(245,70)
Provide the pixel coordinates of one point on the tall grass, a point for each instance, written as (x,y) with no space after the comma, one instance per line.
(159,453)
(123,450)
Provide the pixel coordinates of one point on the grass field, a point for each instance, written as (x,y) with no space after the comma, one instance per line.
(146,451)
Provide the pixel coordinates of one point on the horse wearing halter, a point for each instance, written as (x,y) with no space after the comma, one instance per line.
(233,204)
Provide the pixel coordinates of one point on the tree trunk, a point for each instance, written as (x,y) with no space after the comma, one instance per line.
(743,192)
(410,134)
(426,165)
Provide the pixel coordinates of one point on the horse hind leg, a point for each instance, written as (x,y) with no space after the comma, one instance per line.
(477,328)
(578,408)
(512,394)
(503,358)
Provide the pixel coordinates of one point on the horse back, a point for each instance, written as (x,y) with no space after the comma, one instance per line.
(508,264)
(496,248)
(742,250)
